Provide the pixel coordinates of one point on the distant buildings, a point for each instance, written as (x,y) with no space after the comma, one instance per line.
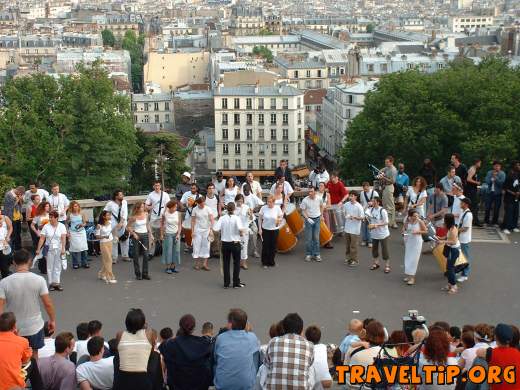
(153,111)
(304,73)
(464,23)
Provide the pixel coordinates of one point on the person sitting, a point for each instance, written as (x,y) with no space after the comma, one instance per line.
(57,371)
(80,347)
(320,365)
(355,332)
(98,372)
(207,331)
(436,352)
(48,348)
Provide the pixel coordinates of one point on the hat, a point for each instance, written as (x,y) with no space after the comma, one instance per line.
(187,174)
(503,333)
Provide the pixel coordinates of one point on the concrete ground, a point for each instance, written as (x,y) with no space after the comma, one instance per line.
(328,293)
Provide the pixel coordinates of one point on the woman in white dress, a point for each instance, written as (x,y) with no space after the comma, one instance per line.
(78,236)
(245,214)
(413,229)
(230,191)
(416,196)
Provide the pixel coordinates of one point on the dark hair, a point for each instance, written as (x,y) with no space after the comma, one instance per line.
(367,321)
(21,257)
(46,331)
(135,321)
(112,345)
(457,156)
(412,212)
(442,325)
(34,196)
(201,199)
(247,187)
(115,193)
(355,193)
(390,158)
(466,201)
(194,185)
(62,341)
(94,326)
(186,325)
(292,323)
(230,207)
(467,328)
(54,185)
(397,338)
(483,332)
(210,184)
(166,333)
(171,203)
(375,333)
(450,167)
(439,186)
(239,197)
(7,321)
(449,220)
(207,327)
(496,162)
(515,341)
(455,332)
(468,339)
(238,319)
(313,334)
(101,219)
(95,345)
(82,331)
(437,346)
(53,214)
(377,199)
(276,329)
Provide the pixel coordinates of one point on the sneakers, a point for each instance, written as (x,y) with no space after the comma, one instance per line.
(256,255)
(112,281)
(353,263)
(308,258)
(318,258)
(516,230)
(370,245)
(363,243)
(347,261)
(506,231)
(462,279)
(240,285)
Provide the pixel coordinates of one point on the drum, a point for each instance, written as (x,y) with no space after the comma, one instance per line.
(286,239)
(325,233)
(460,264)
(431,230)
(294,219)
(337,218)
(187,236)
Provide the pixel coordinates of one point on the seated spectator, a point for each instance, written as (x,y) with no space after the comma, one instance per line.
(187,358)
(207,331)
(274,331)
(320,365)
(82,340)
(515,342)
(15,353)
(364,355)
(98,372)
(57,371)
(399,342)
(455,334)
(236,355)
(436,352)
(48,348)
(468,353)
(165,334)
(355,332)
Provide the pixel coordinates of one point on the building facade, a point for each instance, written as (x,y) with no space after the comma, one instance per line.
(459,24)
(304,73)
(153,112)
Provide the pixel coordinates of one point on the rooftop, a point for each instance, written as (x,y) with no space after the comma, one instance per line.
(265,39)
(246,90)
(142,97)
(298,64)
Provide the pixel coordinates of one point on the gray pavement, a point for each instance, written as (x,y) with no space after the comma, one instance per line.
(324,293)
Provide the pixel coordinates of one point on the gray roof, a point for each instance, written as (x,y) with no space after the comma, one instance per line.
(407,49)
(285,90)
(141,97)
(482,40)
(304,64)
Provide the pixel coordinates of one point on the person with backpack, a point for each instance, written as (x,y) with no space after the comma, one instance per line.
(156,204)
(378,227)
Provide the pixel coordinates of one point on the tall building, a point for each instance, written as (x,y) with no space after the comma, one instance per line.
(256,126)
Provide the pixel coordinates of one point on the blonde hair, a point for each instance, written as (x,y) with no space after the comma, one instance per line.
(72,204)
(136,207)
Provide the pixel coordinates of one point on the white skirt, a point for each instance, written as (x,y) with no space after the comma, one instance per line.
(78,241)
(201,244)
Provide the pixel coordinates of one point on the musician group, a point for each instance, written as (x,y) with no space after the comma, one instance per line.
(230,220)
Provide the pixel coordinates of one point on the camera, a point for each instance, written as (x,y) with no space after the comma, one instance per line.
(411,322)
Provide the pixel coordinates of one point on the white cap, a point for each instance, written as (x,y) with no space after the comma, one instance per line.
(187,174)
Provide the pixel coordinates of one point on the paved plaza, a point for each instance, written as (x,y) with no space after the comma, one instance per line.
(327,293)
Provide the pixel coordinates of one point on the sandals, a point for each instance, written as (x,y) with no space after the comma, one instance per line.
(387,269)
(374,267)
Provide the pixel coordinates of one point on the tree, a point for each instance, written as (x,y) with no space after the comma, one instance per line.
(370,27)
(263,52)
(108,38)
(466,108)
(135,47)
(265,31)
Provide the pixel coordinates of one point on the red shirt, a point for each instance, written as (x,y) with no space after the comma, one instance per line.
(503,357)
(337,191)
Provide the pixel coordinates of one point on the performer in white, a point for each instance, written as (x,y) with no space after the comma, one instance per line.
(365,198)
(354,215)
(188,203)
(245,214)
(413,229)
(255,186)
(59,202)
(254,203)
(156,204)
(118,208)
(201,224)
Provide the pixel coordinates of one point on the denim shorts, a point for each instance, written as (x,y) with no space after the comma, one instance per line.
(36,340)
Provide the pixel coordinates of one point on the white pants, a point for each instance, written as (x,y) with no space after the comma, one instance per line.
(53,266)
(201,244)
(244,241)
(253,234)
(124,249)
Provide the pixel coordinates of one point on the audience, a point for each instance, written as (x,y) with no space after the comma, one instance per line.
(435,352)
(320,365)
(48,341)
(57,371)
(98,372)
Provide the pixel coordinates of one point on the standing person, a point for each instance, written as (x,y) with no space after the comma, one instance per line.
(141,234)
(236,355)
(312,209)
(495,179)
(402,182)
(105,237)
(456,208)
(279,196)
(428,172)
(379,232)
(78,236)
(511,199)
(318,175)
(220,183)
(231,230)
(325,198)
(213,202)
(338,196)
(201,223)
(39,221)
(388,177)
(437,207)
(53,236)
(354,215)
(6,230)
(34,189)
(188,204)
(448,182)
(413,229)
(171,237)
(254,203)
(416,196)
(30,213)
(230,191)
(365,199)
(287,188)
(118,208)
(256,189)
(269,220)
(460,169)
(21,294)
(453,251)
(465,226)
(59,202)
(155,204)
(57,371)
(283,170)
(471,189)
(184,186)
(245,214)
(13,202)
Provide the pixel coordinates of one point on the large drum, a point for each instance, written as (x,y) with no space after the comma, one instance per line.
(294,219)
(460,264)
(337,218)
(325,233)
(186,231)
(286,239)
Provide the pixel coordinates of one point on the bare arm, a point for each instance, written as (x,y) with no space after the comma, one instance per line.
(40,244)
(9,228)
(49,308)
(63,240)
(85,385)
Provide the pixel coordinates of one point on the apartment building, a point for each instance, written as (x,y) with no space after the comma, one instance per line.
(305,73)
(153,111)
(458,24)
(256,126)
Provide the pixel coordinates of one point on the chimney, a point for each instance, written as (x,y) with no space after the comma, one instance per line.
(256,86)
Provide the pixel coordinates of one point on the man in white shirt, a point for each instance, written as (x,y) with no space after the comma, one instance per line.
(98,373)
(378,226)
(312,209)
(354,215)
(49,348)
(456,208)
(220,183)
(59,202)
(254,203)
(317,176)
(118,208)
(156,204)
(213,203)
(34,190)
(231,229)
(255,186)
(287,188)
(465,226)
(365,198)
(201,223)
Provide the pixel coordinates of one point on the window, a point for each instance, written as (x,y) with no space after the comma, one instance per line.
(135,118)
(350,99)
(384,68)
(261,163)
(237,133)
(261,149)
(249,164)
(285,103)
(237,103)
(261,103)
(166,106)
(237,164)
(167,118)
(225,163)
(273,119)
(237,119)
(319,72)
(299,133)
(319,83)
(285,148)
(295,74)
(225,149)
(308,84)
(260,133)
(249,119)
(299,118)
(410,66)
(237,148)
(318,108)
(260,119)
(273,104)
(134,107)
(273,149)
(224,133)
(299,148)
(224,103)
(146,118)
(156,118)
(273,164)
(370,67)
(249,103)
(249,148)
(156,106)
(273,133)
(285,133)
(146,106)
(347,113)
(307,108)
(224,119)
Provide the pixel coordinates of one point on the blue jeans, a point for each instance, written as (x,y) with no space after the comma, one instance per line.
(465,250)
(511,215)
(453,255)
(365,233)
(79,258)
(171,250)
(493,199)
(312,237)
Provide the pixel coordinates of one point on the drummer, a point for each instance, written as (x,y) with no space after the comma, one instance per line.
(286,186)
(269,222)
(188,203)
(256,189)
(245,214)
(325,197)
(338,196)
(312,209)
(280,199)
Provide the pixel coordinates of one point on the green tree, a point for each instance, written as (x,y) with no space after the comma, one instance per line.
(466,108)
(265,31)
(135,46)
(370,27)
(108,38)
(263,52)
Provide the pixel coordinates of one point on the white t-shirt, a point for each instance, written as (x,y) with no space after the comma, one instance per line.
(269,216)
(113,207)
(229,194)
(53,235)
(469,355)
(48,348)
(212,203)
(312,206)
(414,198)
(219,186)
(202,216)
(44,195)
(171,222)
(353,226)
(255,187)
(287,188)
(466,222)
(100,374)
(153,200)
(229,227)
(456,210)
(59,203)
(365,197)
(103,231)
(317,178)
(320,365)
(22,292)
(81,348)
(243,214)
(253,201)
(379,215)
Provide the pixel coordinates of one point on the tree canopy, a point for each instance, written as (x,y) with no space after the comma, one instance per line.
(135,46)
(108,38)
(466,108)
(263,52)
